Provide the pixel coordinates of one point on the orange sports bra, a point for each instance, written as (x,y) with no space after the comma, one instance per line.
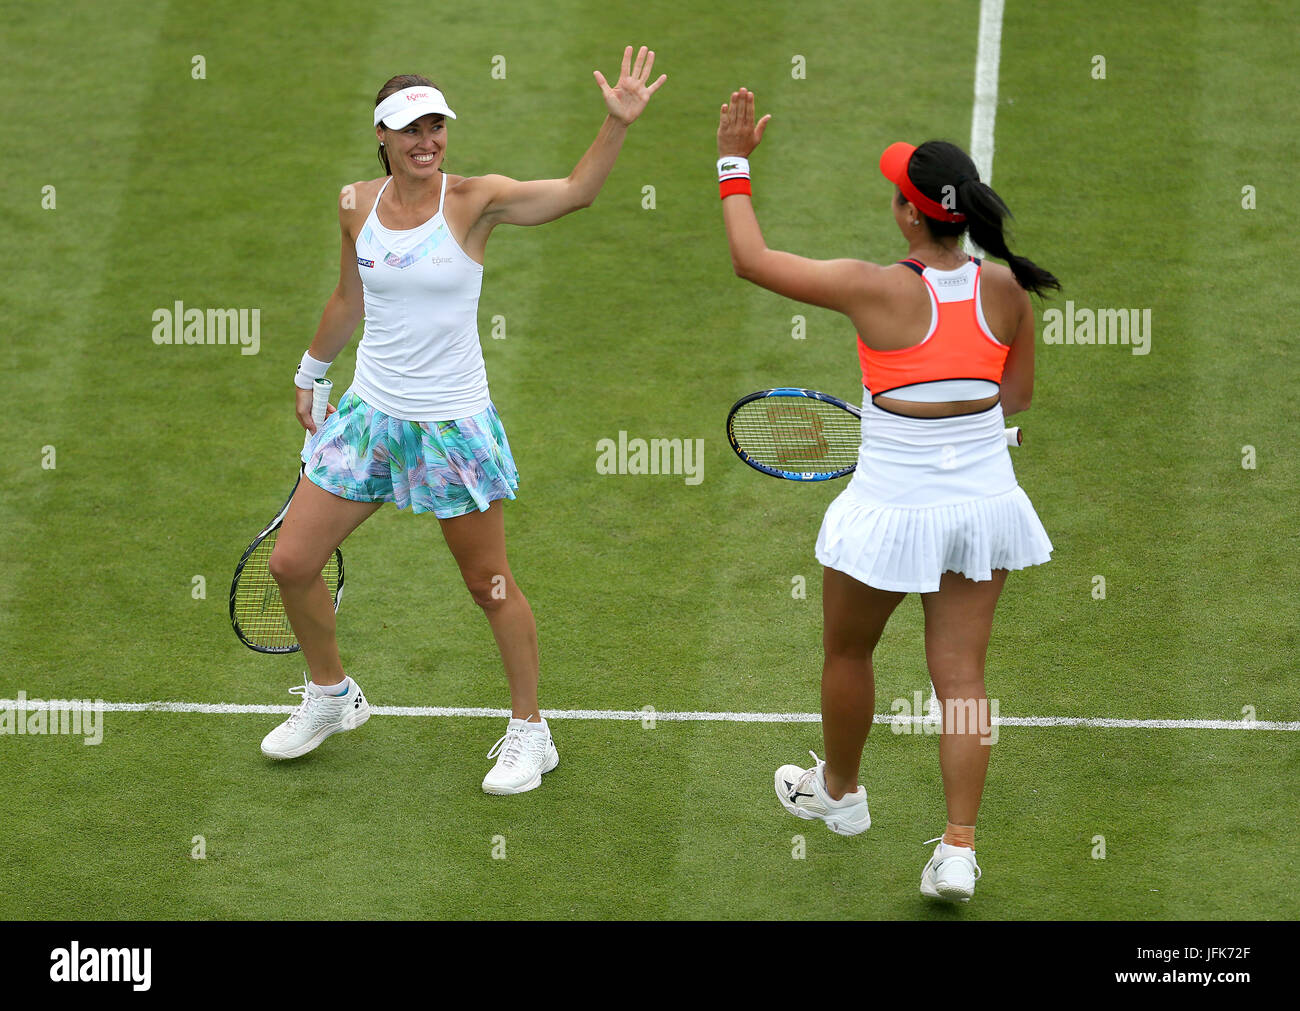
(958,345)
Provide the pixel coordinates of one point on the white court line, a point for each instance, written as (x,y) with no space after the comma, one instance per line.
(636,715)
(985,111)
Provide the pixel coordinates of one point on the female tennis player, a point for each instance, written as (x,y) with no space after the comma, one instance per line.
(946,344)
(417,427)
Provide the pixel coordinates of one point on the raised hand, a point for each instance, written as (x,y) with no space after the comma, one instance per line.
(737,133)
(627,98)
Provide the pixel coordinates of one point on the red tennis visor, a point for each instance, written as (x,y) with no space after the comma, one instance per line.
(893,166)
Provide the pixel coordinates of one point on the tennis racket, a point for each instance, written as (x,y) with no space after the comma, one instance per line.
(256,611)
(801,435)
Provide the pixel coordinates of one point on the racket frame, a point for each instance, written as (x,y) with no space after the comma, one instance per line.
(788,391)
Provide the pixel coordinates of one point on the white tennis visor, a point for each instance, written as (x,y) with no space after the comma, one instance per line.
(402,108)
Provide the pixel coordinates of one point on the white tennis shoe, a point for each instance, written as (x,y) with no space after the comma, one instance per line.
(317,716)
(802,792)
(951,873)
(523,755)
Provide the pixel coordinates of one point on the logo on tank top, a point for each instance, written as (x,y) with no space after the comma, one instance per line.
(949,282)
(401,261)
(365,263)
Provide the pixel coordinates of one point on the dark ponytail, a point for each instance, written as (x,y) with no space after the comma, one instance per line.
(394,85)
(942,170)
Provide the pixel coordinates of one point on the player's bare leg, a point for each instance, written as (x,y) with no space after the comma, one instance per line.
(478,543)
(853,618)
(525,752)
(958,623)
(854,615)
(315,525)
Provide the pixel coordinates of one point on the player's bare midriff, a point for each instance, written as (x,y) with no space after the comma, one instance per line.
(947,409)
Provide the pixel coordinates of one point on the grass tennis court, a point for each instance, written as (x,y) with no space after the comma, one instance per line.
(648,590)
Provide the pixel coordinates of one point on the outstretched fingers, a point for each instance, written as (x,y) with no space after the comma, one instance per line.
(737,133)
(746,101)
(742,112)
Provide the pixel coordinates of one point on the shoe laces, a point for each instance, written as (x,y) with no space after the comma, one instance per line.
(978,873)
(306,707)
(513,741)
(809,775)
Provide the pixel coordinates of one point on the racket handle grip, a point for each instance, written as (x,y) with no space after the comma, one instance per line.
(320,398)
(1015,437)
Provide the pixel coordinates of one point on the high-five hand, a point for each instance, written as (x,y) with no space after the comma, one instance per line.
(627,98)
(737,134)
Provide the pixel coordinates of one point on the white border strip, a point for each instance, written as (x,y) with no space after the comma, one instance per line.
(637,715)
(985,112)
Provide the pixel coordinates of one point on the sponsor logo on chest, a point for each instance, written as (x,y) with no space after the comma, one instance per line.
(434,261)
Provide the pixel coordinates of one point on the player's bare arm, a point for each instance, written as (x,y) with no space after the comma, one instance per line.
(503,200)
(345,306)
(1018,375)
(841,284)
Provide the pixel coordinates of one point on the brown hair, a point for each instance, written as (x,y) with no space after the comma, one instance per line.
(394,85)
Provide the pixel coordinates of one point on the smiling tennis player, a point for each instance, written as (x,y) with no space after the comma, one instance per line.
(946,345)
(418,427)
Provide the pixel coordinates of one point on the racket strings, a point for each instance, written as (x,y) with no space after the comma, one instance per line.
(259,611)
(797,434)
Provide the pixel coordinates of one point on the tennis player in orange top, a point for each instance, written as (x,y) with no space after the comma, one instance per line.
(946,345)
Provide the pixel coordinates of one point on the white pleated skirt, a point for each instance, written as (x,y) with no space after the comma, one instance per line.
(929,496)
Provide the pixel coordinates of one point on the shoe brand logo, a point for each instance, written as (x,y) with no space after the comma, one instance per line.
(792,791)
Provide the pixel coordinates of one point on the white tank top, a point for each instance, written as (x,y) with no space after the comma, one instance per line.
(419,358)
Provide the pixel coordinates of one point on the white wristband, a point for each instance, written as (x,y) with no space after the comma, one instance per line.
(309,370)
(733,167)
